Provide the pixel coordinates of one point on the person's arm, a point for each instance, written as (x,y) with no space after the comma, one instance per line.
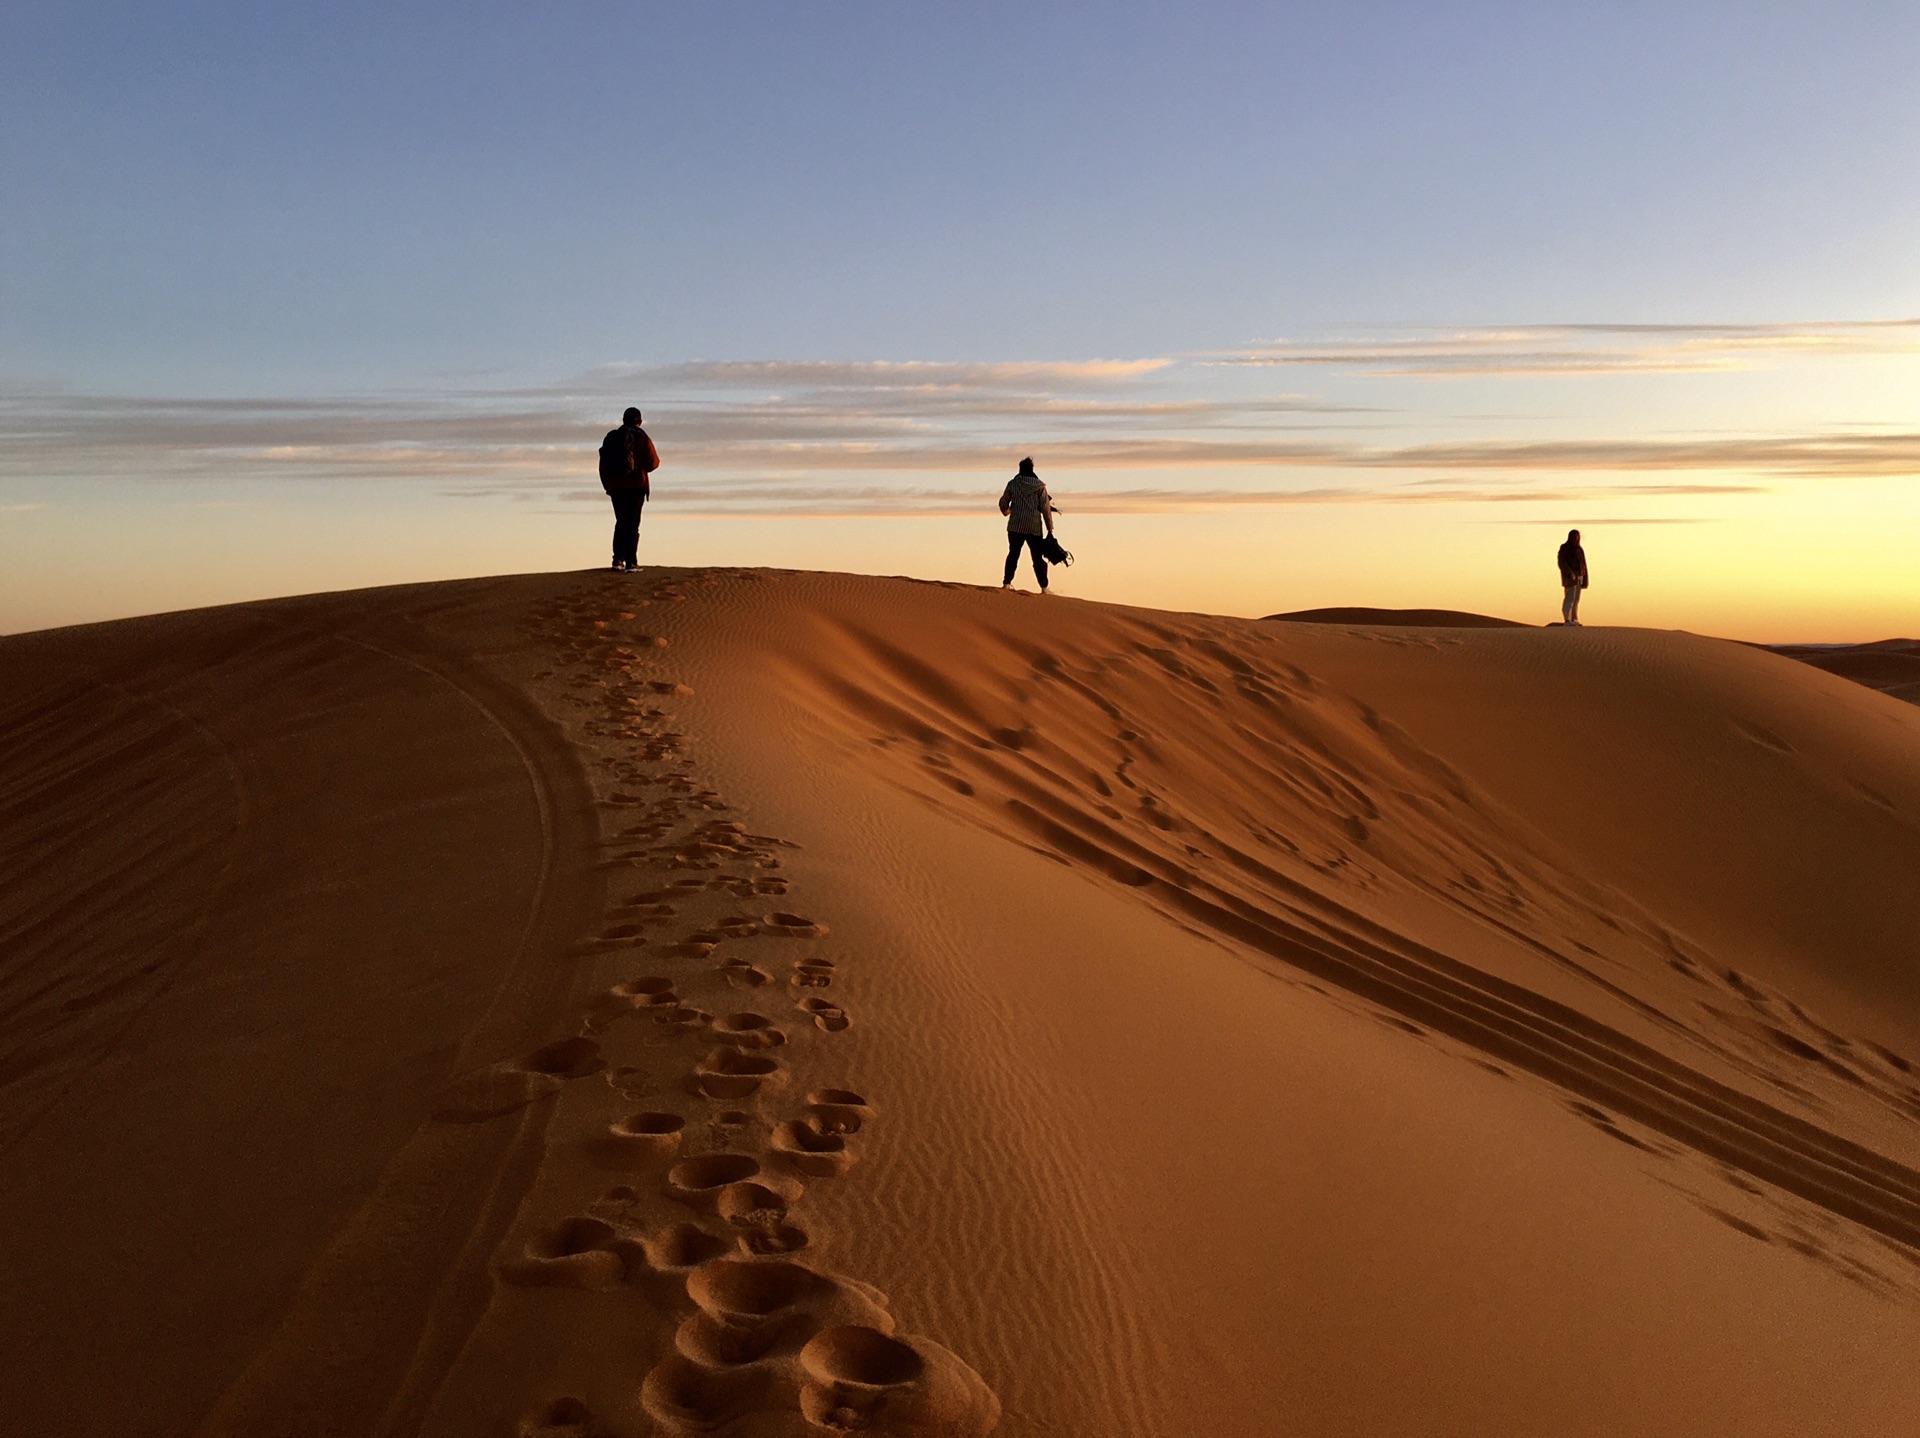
(653,455)
(1006,500)
(1046,508)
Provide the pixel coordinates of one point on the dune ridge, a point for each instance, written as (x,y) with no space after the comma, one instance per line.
(771,1003)
(1397,618)
(1890,665)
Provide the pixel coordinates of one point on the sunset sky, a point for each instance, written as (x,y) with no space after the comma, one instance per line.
(1292,305)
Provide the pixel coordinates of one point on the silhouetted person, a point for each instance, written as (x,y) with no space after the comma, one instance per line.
(1029,511)
(627,457)
(1573,577)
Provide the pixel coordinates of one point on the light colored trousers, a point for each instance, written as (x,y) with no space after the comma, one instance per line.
(1570,606)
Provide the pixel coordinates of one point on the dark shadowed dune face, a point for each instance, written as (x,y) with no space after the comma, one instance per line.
(1891,665)
(1402,618)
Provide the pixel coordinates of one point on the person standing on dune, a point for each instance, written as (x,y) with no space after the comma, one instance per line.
(1029,511)
(1573,577)
(627,457)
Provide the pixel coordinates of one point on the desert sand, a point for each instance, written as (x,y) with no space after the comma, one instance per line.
(769,1003)
(1892,666)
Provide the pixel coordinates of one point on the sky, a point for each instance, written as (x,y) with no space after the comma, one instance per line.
(1293,305)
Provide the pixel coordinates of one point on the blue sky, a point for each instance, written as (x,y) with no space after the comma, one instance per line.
(417,246)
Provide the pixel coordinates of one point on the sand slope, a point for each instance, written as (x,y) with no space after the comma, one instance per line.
(570,1002)
(1892,665)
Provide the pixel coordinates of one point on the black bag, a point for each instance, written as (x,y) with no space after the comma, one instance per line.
(616,460)
(1054,552)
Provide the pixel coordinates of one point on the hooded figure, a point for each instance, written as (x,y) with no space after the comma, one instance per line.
(1029,511)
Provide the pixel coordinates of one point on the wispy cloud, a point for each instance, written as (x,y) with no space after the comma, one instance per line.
(1587,349)
(916,500)
(865,375)
(833,436)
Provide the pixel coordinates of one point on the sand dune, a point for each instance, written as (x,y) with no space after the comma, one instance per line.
(1399,618)
(769,1003)
(1892,665)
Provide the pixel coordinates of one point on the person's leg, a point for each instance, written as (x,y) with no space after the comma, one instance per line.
(1570,596)
(626,527)
(1573,606)
(1039,562)
(633,539)
(1013,557)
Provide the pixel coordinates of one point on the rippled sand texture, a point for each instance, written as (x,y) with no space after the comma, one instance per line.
(777,1004)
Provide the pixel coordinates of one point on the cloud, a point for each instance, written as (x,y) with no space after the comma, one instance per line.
(864,375)
(1591,523)
(1579,349)
(858,437)
(773,498)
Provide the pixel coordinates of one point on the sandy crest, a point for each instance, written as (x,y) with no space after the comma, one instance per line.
(771,1003)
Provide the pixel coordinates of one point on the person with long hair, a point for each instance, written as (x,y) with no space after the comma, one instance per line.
(1573,578)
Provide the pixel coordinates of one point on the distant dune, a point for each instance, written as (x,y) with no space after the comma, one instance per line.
(1892,666)
(763,1003)
(1410,618)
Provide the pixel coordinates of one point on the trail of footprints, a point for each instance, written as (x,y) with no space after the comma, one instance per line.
(699,1052)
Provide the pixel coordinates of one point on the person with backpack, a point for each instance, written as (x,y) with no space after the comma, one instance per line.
(1573,578)
(1029,511)
(627,457)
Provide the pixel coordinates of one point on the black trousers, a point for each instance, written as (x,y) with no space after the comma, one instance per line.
(1032,541)
(626,524)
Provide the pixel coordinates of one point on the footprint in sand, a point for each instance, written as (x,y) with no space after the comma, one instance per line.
(746,1312)
(860,1378)
(807,1148)
(649,1134)
(652,991)
(701,1181)
(681,1018)
(812,974)
(505,1087)
(679,1248)
(794,926)
(749,1030)
(772,1337)
(827,1016)
(740,974)
(838,1110)
(751,1205)
(577,1252)
(622,1000)
(684,1397)
(615,1203)
(777,1240)
(729,1073)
